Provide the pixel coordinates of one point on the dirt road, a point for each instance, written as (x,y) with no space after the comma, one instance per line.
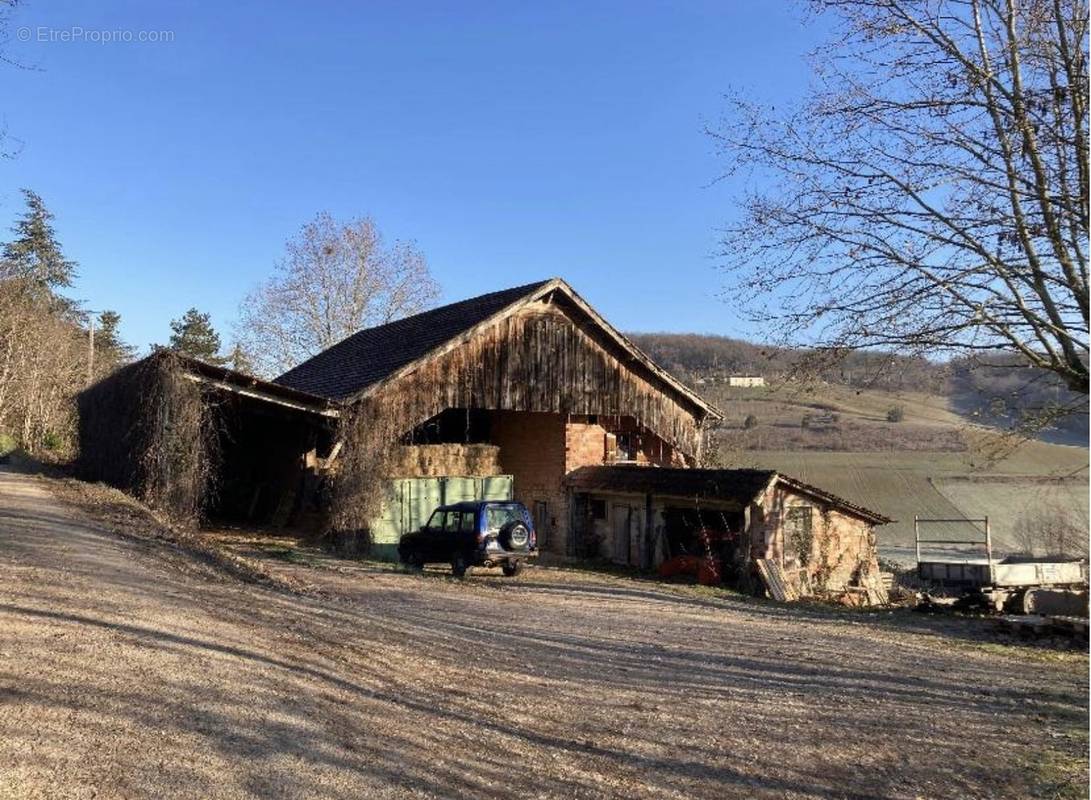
(130,671)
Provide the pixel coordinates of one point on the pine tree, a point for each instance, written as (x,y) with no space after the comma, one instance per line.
(193,335)
(35,254)
(239,360)
(108,342)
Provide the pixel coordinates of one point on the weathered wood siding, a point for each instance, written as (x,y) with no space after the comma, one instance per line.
(544,359)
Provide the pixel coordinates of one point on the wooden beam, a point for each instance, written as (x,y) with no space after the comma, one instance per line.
(330,413)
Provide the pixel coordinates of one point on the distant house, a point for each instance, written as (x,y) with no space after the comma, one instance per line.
(746,381)
(514,393)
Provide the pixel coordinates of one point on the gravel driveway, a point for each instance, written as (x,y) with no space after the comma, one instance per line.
(130,670)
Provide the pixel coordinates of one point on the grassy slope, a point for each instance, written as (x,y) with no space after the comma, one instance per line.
(993,476)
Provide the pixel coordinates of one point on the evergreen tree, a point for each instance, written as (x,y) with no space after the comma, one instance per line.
(108,342)
(35,254)
(193,335)
(239,360)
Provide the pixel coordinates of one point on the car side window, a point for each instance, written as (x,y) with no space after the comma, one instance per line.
(435,523)
(468,522)
(454,521)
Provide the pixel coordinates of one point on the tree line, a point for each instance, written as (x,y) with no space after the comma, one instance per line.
(45,343)
(336,277)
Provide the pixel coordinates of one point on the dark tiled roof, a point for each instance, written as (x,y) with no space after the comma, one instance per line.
(741,485)
(372,354)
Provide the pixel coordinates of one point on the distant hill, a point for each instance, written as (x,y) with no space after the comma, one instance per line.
(993,390)
(697,357)
(999,391)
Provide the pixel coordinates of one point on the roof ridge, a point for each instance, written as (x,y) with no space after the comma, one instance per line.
(525,289)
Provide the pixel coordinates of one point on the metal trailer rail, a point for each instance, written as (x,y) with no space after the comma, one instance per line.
(955,570)
(997,580)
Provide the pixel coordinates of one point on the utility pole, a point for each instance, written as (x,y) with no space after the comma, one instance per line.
(90,347)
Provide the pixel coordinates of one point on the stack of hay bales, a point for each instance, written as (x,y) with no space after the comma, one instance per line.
(438,460)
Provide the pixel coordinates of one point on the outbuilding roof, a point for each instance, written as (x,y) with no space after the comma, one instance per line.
(740,485)
(241,383)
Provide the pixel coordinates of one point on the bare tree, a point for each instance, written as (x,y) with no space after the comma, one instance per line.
(1051,531)
(7,9)
(931,195)
(336,278)
(43,363)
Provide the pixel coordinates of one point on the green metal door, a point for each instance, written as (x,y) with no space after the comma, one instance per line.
(457,489)
(495,487)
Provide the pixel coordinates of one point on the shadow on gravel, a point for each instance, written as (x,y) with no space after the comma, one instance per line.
(394,766)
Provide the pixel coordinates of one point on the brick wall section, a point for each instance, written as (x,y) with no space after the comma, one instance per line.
(539,449)
(585,445)
(532,451)
(590,444)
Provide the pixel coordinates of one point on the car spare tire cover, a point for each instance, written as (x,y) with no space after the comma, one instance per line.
(514,536)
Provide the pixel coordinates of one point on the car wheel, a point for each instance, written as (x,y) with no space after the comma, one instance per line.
(512,568)
(459,567)
(413,561)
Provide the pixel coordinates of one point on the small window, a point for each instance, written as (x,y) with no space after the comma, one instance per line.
(598,509)
(798,532)
(454,521)
(435,523)
(468,520)
(628,447)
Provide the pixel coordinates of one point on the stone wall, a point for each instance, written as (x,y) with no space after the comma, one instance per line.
(841,547)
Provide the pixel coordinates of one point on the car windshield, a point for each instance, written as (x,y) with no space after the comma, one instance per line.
(496,517)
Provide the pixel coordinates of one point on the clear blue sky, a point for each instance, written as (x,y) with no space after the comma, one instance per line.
(511,141)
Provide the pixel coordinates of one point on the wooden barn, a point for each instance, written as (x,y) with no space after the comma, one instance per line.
(529,382)
(526,392)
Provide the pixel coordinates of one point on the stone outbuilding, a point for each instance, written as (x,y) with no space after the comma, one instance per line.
(644,517)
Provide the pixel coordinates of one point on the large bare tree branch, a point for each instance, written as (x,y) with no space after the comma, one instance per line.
(931,195)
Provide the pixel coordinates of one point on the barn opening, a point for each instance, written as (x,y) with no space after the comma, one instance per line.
(270,457)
